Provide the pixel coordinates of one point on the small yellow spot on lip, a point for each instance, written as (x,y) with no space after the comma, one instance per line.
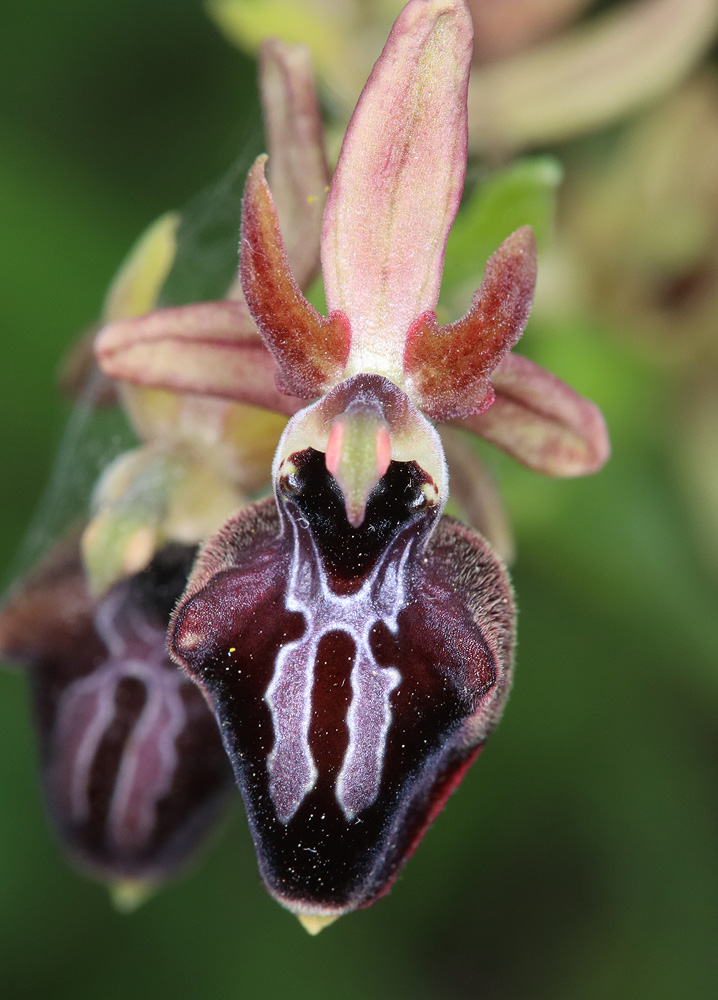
(313,924)
(128,894)
(232,649)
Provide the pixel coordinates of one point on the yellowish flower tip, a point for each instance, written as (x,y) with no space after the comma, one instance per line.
(138,551)
(313,924)
(137,284)
(113,549)
(129,894)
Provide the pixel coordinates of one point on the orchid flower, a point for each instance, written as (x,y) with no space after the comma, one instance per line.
(463,373)
(354,644)
(191,377)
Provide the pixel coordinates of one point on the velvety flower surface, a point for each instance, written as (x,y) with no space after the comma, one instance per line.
(355,646)
(349,713)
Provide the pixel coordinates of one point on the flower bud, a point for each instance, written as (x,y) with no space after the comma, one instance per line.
(133,766)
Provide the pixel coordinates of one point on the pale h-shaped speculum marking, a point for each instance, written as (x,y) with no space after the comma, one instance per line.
(292,770)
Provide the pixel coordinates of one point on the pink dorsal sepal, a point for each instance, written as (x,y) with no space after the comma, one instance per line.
(398,183)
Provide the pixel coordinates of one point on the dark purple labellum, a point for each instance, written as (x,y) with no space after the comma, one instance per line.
(133,764)
(355,671)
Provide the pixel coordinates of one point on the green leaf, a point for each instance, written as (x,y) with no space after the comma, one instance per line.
(523,194)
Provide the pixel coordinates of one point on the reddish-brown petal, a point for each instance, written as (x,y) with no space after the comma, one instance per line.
(310,350)
(542,422)
(448,368)
(210,348)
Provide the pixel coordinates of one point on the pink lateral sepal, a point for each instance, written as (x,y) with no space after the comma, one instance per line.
(310,349)
(542,422)
(209,348)
(448,368)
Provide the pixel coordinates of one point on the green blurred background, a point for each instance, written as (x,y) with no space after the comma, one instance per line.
(580,857)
